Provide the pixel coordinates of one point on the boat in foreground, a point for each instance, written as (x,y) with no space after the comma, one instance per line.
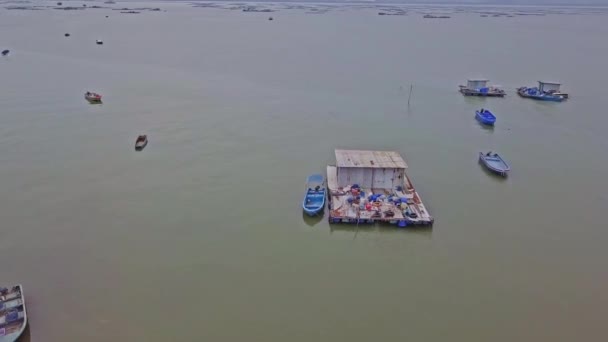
(494,163)
(92,97)
(13,316)
(546,91)
(485,117)
(314,198)
(141,142)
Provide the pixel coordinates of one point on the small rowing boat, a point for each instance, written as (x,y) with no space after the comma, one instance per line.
(494,163)
(485,117)
(314,198)
(92,97)
(141,142)
(13,316)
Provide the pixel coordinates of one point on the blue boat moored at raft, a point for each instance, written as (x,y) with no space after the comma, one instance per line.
(314,199)
(494,163)
(546,91)
(13,316)
(485,117)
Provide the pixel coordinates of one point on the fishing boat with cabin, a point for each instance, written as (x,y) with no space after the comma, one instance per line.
(13,315)
(480,87)
(372,186)
(314,197)
(546,91)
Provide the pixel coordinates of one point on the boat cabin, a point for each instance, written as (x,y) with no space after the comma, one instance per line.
(548,87)
(477,83)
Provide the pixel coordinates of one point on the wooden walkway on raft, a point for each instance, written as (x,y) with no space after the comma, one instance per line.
(382,210)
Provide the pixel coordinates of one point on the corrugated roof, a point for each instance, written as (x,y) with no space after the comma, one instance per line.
(545,82)
(369,159)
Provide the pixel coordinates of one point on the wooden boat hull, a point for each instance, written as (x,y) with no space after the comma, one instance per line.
(315,195)
(495,164)
(13,314)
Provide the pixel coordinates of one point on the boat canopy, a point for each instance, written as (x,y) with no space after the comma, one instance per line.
(548,86)
(477,83)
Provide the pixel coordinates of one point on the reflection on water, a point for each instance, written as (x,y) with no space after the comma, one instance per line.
(312,221)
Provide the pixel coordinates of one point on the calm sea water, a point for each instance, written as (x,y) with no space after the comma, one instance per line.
(201,236)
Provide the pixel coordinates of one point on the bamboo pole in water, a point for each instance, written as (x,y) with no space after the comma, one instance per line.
(410,96)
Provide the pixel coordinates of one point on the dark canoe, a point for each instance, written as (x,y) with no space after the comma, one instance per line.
(13,315)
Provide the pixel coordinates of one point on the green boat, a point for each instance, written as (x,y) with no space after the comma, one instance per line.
(13,317)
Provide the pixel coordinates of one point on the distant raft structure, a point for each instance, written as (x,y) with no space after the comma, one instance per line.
(366,187)
(546,91)
(479,87)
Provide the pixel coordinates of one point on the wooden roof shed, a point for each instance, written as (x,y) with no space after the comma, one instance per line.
(370,169)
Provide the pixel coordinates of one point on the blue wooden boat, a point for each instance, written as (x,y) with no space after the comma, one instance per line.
(314,199)
(13,317)
(494,163)
(546,91)
(485,117)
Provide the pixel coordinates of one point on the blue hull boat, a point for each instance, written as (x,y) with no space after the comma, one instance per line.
(494,163)
(485,117)
(535,94)
(314,199)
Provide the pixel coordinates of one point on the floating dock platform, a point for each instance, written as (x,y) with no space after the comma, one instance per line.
(367,187)
(479,87)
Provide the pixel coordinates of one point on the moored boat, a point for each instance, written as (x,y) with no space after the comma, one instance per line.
(141,142)
(480,87)
(314,198)
(494,163)
(485,117)
(13,315)
(99,42)
(5,52)
(546,91)
(92,97)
